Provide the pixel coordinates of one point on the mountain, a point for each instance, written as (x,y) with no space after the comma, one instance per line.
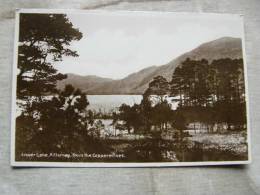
(225,47)
(136,83)
(82,82)
(128,85)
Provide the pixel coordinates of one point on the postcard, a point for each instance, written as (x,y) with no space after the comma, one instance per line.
(129,89)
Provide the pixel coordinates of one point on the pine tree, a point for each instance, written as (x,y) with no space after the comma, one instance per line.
(159,86)
(43,39)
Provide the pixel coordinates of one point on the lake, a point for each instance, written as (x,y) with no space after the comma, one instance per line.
(107,103)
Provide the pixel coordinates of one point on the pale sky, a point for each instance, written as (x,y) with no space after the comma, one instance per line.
(116,44)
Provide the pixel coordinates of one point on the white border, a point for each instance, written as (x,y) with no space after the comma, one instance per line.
(106,164)
(249,146)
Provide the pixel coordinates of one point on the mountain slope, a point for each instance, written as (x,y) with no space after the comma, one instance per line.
(136,83)
(226,47)
(82,82)
(126,85)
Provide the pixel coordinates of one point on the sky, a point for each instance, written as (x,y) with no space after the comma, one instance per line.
(116,44)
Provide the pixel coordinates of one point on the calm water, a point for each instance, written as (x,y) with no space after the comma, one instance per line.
(106,103)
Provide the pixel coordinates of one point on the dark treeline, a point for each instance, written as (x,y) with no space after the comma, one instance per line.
(198,83)
(212,94)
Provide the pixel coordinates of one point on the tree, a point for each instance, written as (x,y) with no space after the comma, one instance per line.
(190,83)
(146,111)
(131,116)
(158,86)
(125,115)
(95,130)
(58,124)
(177,85)
(43,38)
(162,114)
(230,92)
(211,93)
(179,122)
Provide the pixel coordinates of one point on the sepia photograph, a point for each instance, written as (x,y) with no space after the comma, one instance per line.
(129,88)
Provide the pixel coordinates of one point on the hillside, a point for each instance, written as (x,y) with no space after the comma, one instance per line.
(82,82)
(136,83)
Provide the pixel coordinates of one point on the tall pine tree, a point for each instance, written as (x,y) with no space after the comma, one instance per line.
(43,39)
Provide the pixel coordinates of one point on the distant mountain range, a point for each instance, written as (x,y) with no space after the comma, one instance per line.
(136,83)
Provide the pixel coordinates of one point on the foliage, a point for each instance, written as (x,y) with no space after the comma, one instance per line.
(58,124)
(130,116)
(214,92)
(43,38)
(158,86)
(52,120)
(207,93)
